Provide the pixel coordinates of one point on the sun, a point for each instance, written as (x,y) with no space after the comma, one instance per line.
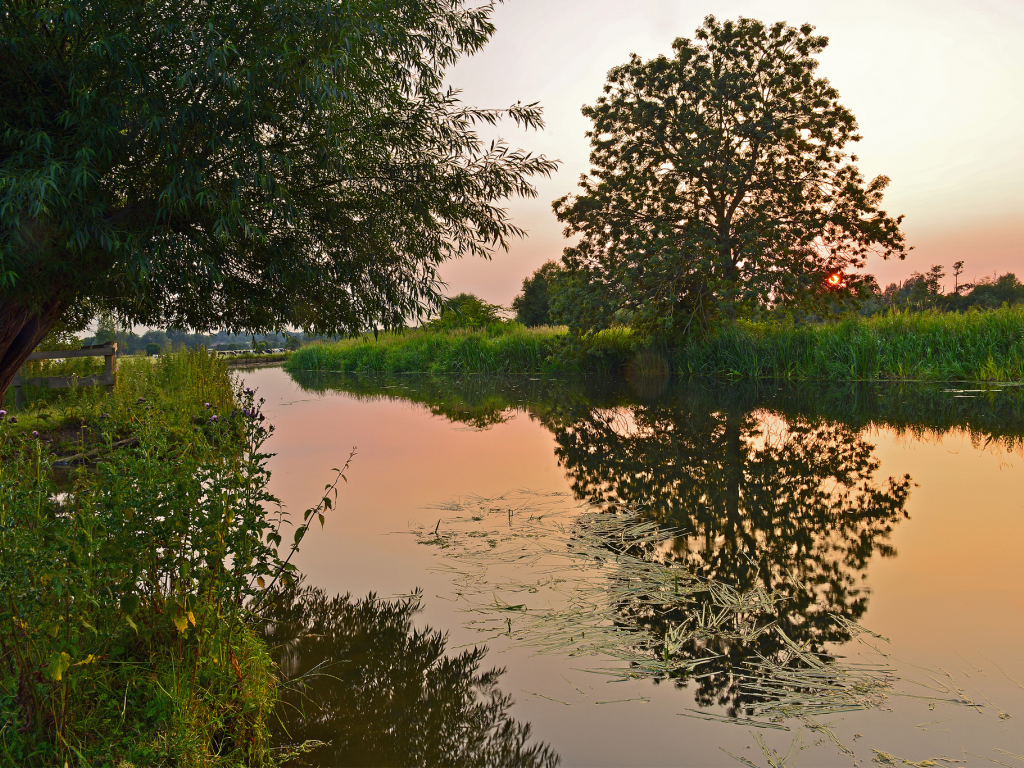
(835,279)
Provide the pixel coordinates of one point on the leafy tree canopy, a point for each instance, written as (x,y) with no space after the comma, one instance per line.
(533,305)
(241,165)
(466,311)
(719,183)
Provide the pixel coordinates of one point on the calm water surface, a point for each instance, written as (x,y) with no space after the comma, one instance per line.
(852,579)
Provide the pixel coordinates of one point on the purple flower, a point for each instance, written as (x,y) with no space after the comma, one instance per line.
(214,419)
(206,405)
(2,413)
(104,415)
(34,433)
(13,419)
(140,400)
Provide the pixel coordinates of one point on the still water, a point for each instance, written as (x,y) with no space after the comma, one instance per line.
(663,574)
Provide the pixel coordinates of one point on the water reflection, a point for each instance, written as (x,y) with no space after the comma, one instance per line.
(791,505)
(774,488)
(383,693)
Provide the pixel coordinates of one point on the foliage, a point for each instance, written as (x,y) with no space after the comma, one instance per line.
(496,349)
(532,306)
(720,183)
(124,634)
(974,346)
(466,311)
(991,292)
(242,165)
(382,692)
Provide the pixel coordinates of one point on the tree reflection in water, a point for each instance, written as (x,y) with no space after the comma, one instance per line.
(788,504)
(388,695)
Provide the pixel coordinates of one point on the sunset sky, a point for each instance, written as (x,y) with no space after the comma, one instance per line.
(937,87)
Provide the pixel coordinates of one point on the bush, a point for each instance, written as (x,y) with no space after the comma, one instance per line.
(125,633)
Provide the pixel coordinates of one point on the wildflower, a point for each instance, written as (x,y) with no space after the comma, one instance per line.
(13,420)
(206,405)
(140,400)
(2,413)
(34,433)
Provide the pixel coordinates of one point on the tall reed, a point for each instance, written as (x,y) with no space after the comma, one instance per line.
(973,346)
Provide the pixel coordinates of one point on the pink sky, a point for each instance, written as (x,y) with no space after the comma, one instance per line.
(937,87)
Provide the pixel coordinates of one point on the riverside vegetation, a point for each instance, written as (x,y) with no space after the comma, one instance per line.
(973,346)
(130,585)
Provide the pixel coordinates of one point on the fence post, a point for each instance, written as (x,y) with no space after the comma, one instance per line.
(111,366)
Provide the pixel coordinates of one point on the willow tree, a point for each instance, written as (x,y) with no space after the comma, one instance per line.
(241,164)
(720,181)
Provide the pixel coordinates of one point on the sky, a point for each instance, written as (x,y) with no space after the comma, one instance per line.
(937,88)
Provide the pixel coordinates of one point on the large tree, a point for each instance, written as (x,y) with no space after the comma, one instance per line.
(720,181)
(241,164)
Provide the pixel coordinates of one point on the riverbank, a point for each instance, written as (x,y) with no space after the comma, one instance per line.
(926,346)
(126,638)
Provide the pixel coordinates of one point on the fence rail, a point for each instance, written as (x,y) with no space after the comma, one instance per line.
(106,379)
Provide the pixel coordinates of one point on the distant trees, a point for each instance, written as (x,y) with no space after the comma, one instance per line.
(720,183)
(533,305)
(466,311)
(925,291)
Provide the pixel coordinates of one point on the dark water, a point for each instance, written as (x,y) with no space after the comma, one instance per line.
(850,560)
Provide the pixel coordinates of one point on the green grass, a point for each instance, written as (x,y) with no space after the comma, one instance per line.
(497,350)
(924,346)
(126,626)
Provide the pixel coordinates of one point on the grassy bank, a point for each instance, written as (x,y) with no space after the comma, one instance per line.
(973,346)
(498,350)
(126,627)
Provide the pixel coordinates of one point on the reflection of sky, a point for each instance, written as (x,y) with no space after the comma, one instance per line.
(952,597)
(934,84)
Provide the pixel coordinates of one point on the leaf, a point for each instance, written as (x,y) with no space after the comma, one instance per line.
(261,582)
(181,623)
(59,663)
(321,520)
(132,624)
(191,618)
(130,604)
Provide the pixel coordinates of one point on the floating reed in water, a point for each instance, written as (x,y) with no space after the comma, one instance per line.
(561,578)
(588,571)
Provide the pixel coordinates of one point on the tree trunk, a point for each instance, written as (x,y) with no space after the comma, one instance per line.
(20,333)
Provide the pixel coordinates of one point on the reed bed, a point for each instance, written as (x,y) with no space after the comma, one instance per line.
(921,346)
(499,349)
(926,346)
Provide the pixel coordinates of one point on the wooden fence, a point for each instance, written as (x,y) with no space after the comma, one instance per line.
(106,379)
